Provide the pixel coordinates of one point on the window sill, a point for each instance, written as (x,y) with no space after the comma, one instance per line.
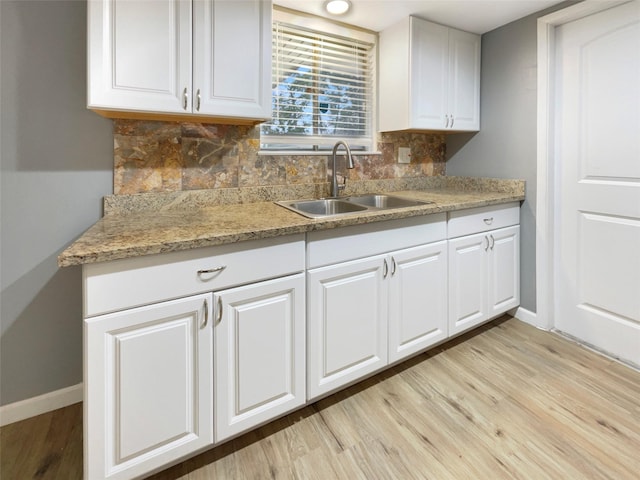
(313,153)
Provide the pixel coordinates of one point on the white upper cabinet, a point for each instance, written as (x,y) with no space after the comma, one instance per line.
(232,58)
(171,58)
(429,78)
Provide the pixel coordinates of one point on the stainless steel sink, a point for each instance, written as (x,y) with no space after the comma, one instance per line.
(330,207)
(382,201)
(322,208)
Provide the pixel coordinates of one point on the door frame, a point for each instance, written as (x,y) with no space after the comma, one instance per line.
(546,188)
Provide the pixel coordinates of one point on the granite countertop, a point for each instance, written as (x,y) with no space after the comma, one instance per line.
(149,224)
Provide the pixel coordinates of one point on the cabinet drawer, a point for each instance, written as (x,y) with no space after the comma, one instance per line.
(327,247)
(483,219)
(112,286)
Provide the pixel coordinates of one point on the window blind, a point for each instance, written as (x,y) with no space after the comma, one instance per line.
(322,90)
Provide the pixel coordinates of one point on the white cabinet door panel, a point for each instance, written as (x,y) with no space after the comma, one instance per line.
(139,65)
(464,80)
(260,354)
(429,66)
(467,282)
(347,311)
(417,299)
(149,387)
(232,58)
(504,285)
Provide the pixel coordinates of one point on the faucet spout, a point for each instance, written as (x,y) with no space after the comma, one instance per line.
(335,187)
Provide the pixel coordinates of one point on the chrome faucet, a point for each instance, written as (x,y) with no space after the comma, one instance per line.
(335,188)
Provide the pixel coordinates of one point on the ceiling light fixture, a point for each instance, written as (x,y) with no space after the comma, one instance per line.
(337,7)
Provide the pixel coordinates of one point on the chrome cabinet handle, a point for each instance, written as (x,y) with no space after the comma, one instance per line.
(206,313)
(219,319)
(493,241)
(212,270)
(198,98)
(452,120)
(488,221)
(393,266)
(185,98)
(447,124)
(487,245)
(385,271)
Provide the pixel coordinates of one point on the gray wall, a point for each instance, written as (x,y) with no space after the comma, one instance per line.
(505,147)
(56,165)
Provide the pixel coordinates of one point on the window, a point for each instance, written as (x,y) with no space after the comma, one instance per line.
(322,80)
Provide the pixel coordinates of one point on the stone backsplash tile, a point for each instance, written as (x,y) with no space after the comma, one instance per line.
(160,157)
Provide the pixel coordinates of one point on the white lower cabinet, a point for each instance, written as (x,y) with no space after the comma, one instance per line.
(260,328)
(484,269)
(367,313)
(347,323)
(375,294)
(259,353)
(417,299)
(156,389)
(148,387)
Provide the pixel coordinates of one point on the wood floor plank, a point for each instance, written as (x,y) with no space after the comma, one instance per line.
(506,401)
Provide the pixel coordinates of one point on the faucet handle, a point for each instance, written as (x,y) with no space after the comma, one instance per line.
(343,185)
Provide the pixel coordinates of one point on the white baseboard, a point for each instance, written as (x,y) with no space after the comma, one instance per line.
(526,316)
(31,407)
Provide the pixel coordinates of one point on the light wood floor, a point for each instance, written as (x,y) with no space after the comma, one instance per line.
(505,402)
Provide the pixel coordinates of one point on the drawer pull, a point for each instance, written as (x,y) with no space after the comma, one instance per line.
(393,266)
(385,270)
(487,245)
(493,241)
(211,270)
(488,221)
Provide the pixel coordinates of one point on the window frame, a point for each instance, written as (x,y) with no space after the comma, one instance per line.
(314,144)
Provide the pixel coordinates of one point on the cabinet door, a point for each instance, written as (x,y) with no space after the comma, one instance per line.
(139,55)
(259,353)
(429,67)
(144,407)
(468,284)
(417,299)
(232,58)
(347,323)
(504,281)
(464,80)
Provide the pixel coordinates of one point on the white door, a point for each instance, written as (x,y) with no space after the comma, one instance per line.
(597,152)
(347,323)
(259,353)
(144,407)
(417,299)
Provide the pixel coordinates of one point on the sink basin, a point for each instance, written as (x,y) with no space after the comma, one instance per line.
(330,207)
(384,201)
(322,208)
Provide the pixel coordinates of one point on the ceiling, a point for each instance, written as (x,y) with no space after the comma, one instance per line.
(477,16)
